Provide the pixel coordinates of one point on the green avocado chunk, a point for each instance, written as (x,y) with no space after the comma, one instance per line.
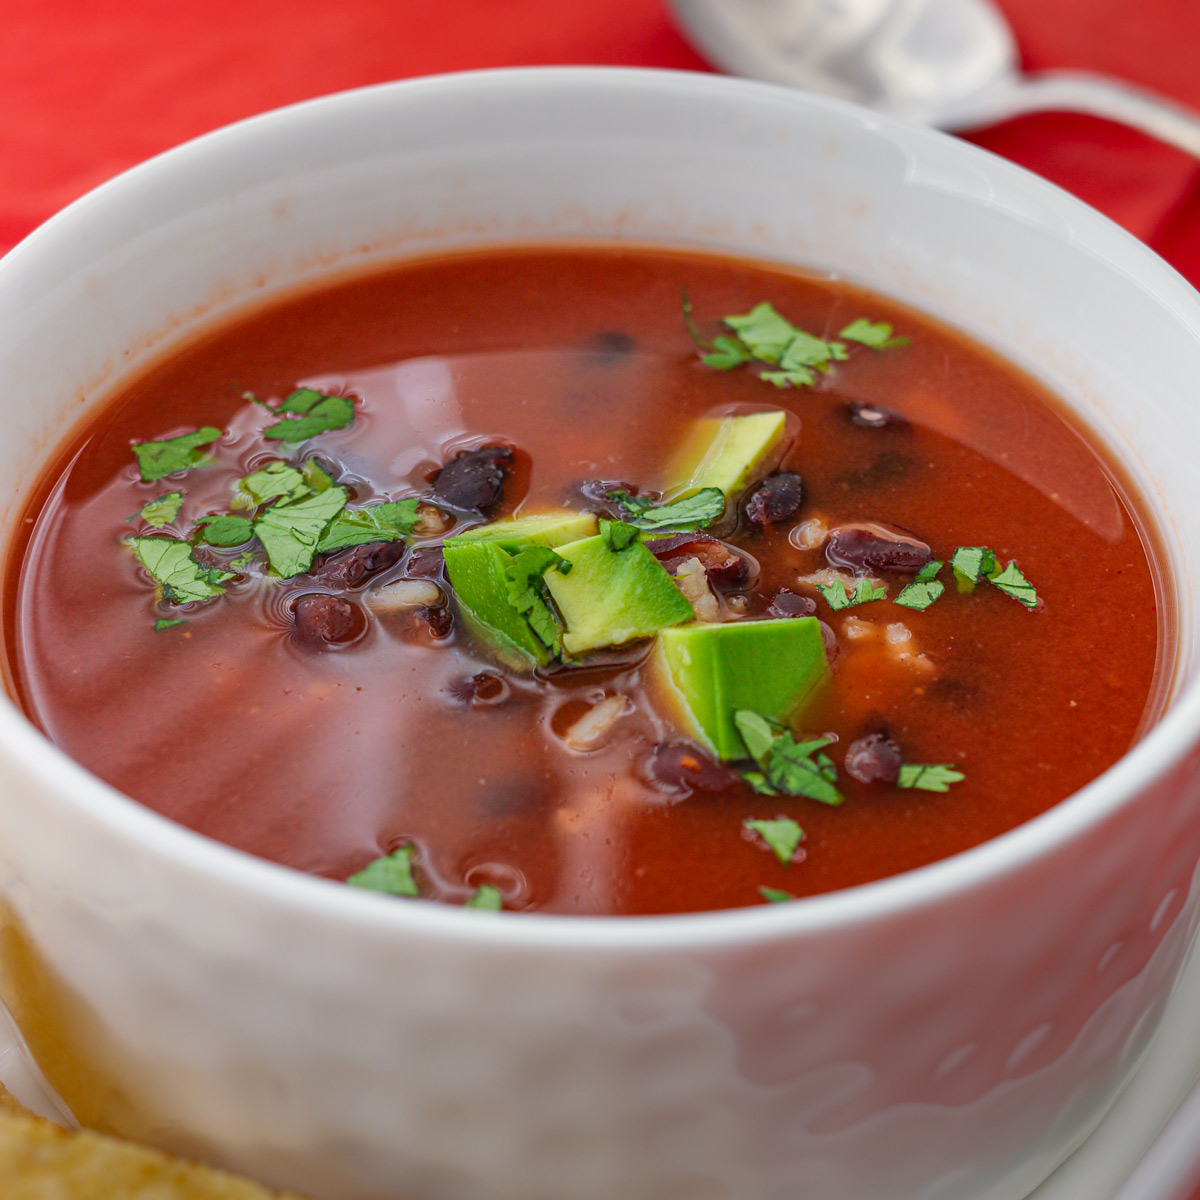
(548,529)
(476,572)
(709,672)
(613,596)
(475,564)
(724,452)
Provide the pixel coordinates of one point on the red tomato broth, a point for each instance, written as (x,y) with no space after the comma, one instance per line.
(324,761)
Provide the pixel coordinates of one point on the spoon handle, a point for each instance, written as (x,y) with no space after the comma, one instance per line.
(1078,91)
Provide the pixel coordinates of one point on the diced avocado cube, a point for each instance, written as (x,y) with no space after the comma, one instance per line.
(546,529)
(476,572)
(709,672)
(724,452)
(613,596)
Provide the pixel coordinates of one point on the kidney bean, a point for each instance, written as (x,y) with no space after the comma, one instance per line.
(871,416)
(788,604)
(722,563)
(680,766)
(349,568)
(474,479)
(870,546)
(874,758)
(322,621)
(777,498)
(425,562)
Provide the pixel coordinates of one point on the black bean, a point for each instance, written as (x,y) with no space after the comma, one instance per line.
(425,562)
(722,563)
(474,479)
(610,346)
(439,621)
(349,568)
(869,546)
(777,498)
(682,767)
(874,758)
(321,621)
(871,416)
(788,604)
(485,690)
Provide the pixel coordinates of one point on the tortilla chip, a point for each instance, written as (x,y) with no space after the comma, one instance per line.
(40,1161)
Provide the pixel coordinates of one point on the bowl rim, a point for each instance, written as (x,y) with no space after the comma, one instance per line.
(1159,750)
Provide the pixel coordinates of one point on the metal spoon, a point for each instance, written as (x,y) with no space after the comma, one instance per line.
(949,63)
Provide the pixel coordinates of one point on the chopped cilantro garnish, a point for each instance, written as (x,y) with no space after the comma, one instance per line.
(783,836)
(178,576)
(315,476)
(172,455)
(876,334)
(694,512)
(385,522)
(787,767)
(775,895)
(969,563)
(225,531)
(391,874)
(526,591)
(242,561)
(1012,583)
(838,598)
(160,511)
(923,590)
(307,412)
(276,479)
(617,534)
(764,335)
(486,897)
(291,533)
(167,623)
(929,777)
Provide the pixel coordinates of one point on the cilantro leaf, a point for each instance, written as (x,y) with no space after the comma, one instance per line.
(969,563)
(391,874)
(178,577)
(796,377)
(727,353)
(805,350)
(1012,583)
(617,534)
(242,561)
(775,895)
(486,897)
(315,476)
(923,590)
(167,623)
(173,455)
(385,522)
(224,530)
(307,412)
(290,533)
(789,768)
(837,597)
(693,512)
(526,590)
(160,511)
(783,836)
(764,331)
(876,334)
(276,479)
(929,777)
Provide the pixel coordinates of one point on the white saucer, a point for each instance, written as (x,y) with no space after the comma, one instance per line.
(1146,1148)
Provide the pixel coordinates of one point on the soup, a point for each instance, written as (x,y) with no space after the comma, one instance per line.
(592,581)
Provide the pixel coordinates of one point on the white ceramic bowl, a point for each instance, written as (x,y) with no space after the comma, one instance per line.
(950,1033)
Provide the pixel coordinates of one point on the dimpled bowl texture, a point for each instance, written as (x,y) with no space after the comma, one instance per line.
(948,1034)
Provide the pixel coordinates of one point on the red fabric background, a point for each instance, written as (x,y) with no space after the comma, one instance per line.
(90,87)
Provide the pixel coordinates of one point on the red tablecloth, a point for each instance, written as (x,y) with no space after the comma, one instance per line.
(90,87)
